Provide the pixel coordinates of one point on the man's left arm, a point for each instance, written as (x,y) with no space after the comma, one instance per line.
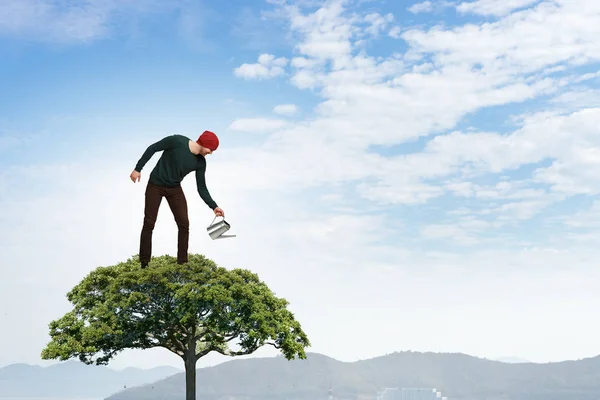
(202,189)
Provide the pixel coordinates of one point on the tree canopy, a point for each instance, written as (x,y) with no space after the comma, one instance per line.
(191,310)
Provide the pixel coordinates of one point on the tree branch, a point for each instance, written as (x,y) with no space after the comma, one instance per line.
(233,336)
(177,344)
(184,329)
(180,353)
(231,353)
(176,349)
(227,337)
(226,351)
(203,353)
(203,333)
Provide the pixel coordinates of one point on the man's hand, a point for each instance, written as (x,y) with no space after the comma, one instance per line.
(135,176)
(219,212)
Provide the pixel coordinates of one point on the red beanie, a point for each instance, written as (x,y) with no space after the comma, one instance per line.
(209,140)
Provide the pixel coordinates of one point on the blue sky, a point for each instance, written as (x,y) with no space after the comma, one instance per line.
(438,158)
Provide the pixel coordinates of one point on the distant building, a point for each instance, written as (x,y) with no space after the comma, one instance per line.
(410,394)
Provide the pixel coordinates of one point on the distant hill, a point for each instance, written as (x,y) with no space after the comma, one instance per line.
(456,376)
(73,379)
(512,360)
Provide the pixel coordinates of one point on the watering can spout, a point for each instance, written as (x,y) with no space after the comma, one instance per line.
(217,230)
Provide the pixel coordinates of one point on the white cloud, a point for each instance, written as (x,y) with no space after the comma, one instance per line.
(423,7)
(521,43)
(493,7)
(357,85)
(73,22)
(256,124)
(286,109)
(45,18)
(395,32)
(326,34)
(577,99)
(452,232)
(588,218)
(377,23)
(267,67)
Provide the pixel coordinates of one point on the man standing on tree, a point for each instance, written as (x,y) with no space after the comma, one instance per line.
(181,156)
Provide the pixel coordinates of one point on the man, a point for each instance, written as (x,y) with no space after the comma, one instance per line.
(181,156)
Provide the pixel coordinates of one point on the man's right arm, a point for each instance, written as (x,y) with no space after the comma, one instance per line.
(163,144)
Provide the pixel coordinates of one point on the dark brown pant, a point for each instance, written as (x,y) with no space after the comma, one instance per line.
(178,204)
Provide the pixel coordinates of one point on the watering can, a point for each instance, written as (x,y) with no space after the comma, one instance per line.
(216,230)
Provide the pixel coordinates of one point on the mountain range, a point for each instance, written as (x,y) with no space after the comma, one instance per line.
(512,360)
(456,376)
(74,379)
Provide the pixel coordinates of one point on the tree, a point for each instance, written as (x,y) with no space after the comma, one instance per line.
(190,310)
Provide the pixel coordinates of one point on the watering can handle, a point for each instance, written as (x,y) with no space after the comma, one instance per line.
(213,221)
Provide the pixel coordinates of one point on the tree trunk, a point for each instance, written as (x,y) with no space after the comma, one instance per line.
(190,375)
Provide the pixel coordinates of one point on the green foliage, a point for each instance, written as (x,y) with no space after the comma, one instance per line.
(189,309)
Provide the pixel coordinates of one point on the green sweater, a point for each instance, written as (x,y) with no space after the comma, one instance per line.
(175,163)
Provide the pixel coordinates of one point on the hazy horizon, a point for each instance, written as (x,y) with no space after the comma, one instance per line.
(45,364)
